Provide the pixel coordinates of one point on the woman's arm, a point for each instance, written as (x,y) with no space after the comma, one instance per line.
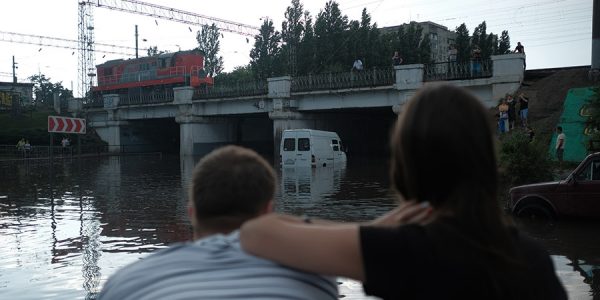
(329,249)
(323,247)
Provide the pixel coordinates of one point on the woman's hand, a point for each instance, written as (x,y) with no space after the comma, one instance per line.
(409,212)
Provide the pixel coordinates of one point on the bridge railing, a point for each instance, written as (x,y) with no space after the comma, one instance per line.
(12,152)
(458,71)
(232,89)
(93,102)
(343,80)
(162,97)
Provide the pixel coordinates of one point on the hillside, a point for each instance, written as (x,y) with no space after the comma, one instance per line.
(547,90)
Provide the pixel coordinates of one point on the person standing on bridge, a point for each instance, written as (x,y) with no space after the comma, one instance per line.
(358,65)
(396,59)
(521,49)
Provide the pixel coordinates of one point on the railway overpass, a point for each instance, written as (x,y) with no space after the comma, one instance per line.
(360,106)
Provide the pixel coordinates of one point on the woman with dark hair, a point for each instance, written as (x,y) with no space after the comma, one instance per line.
(463,248)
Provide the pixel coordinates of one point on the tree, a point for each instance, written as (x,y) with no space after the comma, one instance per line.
(208,42)
(292,29)
(463,43)
(306,56)
(412,45)
(239,74)
(44,90)
(503,43)
(330,44)
(264,55)
(153,51)
(365,42)
(488,43)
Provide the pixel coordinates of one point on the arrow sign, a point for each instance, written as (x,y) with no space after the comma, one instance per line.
(61,124)
(66,125)
(69,125)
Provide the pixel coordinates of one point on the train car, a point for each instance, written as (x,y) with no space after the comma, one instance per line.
(152,74)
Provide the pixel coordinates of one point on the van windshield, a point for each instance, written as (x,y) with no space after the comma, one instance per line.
(303,144)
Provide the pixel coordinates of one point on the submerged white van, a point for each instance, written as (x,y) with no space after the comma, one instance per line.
(307,147)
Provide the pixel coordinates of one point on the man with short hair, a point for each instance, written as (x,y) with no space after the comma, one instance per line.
(229,186)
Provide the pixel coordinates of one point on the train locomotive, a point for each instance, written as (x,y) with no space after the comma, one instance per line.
(152,75)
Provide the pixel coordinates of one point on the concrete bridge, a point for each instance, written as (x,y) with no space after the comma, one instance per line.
(360,106)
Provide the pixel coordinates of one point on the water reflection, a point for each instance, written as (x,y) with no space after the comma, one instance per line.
(575,246)
(69,226)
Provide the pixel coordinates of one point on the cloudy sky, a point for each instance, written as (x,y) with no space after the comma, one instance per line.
(555,33)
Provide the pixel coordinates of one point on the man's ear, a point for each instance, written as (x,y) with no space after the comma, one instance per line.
(191,211)
(269,207)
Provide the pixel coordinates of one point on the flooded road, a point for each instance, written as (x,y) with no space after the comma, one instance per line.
(65,229)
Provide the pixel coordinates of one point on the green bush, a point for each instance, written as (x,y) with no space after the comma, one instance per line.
(522,161)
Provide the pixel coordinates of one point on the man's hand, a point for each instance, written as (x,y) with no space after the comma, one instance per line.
(408,212)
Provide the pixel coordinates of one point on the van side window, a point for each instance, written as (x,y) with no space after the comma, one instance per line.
(289,144)
(303,144)
(334,144)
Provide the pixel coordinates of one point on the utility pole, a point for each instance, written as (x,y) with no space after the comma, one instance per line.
(596,37)
(14,67)
(136,42)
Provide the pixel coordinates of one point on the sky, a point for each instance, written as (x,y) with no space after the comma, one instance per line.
(555,33)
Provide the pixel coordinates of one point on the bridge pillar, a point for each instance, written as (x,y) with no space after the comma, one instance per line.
(409,77)
(111,132)
(200,135)
(508,73)
(183,95)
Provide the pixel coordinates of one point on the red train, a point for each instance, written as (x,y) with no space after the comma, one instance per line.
(153,74)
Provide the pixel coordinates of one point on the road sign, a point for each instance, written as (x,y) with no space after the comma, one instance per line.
(66,125)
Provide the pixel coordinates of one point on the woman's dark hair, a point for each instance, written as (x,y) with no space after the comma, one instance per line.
(443,152)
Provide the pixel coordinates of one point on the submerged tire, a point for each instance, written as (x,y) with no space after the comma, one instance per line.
(535,210)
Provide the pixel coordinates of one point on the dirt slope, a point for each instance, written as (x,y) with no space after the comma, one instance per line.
(547,94)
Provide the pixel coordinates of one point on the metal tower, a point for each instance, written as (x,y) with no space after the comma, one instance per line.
(87,65)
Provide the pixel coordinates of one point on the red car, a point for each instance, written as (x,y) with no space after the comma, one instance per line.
(576,196)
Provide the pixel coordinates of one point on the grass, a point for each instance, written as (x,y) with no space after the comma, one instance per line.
(34,119)
(33,125)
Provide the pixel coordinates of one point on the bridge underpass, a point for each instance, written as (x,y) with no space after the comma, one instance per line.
(152,135)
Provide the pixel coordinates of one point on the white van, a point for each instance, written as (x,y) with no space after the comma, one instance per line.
(307,147)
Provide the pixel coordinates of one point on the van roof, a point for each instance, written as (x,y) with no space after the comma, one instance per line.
(312,132)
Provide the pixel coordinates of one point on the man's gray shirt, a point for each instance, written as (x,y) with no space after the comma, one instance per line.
(214,267)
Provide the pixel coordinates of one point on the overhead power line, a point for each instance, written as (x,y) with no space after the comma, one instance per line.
(47,41)
(176,15)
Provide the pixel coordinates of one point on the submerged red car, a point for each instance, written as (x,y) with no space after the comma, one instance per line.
(576,196)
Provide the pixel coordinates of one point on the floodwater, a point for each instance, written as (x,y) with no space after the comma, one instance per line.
(64,229)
